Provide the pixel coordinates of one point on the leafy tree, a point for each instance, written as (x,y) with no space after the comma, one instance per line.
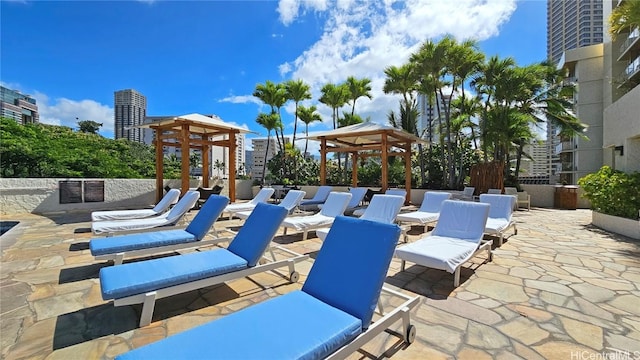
(624,18)
(269,122)
(89,126)
(357,89)
(274,95)
(335,97)
(297,91)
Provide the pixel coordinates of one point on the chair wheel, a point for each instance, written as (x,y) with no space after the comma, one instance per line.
(294,276)
(411,334)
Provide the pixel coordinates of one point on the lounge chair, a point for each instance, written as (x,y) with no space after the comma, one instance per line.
(467,193)
(331,317)
(395,191)
(334,206)
(429,210)
(169,218)
(499,220)
(494,191)
(261,197)
(357,195)
(457,237)
(145,281)
(162,206)
(116,248)
(383,208)
(319,198)
(290,202)
(523,200)
(206,192)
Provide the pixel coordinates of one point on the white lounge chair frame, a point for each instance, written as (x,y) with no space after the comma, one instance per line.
(170,198)
(148,300)
(511,223)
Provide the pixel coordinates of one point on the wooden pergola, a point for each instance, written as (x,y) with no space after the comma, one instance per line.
(376,140)
(194,131)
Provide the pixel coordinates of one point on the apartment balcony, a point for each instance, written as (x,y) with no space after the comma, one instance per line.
(630,46)
(630,77)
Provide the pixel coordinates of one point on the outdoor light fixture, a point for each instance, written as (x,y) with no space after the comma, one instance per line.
(619,148)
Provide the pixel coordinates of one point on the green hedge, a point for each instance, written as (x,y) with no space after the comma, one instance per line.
(613,192)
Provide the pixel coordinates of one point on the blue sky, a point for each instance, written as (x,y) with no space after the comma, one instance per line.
(208,56)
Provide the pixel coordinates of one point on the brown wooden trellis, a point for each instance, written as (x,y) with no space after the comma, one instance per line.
(485,176)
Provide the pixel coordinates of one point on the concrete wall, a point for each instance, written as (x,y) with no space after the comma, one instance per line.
(42,196)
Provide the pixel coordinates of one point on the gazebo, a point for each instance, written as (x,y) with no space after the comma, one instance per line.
(194,131)
(378,140)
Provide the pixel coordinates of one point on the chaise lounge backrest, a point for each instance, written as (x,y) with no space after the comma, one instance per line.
(187,202)
(432,201)
(246,243)
(501,205)
(357,293)
(170,198)
(336,204)
(462,220)
(292,199)
(210,211)
(262,196)
(383,208)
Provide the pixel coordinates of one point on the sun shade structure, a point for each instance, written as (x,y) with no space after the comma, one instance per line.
(194,131)
(375,140)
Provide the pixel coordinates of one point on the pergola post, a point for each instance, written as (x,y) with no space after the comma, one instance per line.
(407,172)
(159,167)
(205,149)
(232,166)
(184,149)
(354,169)
(385,162)
(323,161)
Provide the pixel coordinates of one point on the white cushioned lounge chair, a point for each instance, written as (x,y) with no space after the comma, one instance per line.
(172,217)
(331,317)
(457,237)
(383,208)
(290,202)
(170,198)
(261,197)
(500,215)
(334,206)
(429,210)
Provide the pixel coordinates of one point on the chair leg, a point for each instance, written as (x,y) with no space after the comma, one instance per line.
(456,277)
(304,235)
(147,308)
(118,259)
(402,265)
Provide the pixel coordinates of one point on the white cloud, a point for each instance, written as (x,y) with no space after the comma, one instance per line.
(289,9)
(67,112)
(242,99)
(361,38)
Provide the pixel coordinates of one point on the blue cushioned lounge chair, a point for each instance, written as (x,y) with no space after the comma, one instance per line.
(330,317)
(145,281)
(319,198)
(117,247)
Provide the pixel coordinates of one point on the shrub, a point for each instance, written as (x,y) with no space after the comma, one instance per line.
(613,192)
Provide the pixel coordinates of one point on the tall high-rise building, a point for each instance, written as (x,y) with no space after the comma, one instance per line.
(130,109)
(19,107)
(427,123)
(573,24)
(260,154)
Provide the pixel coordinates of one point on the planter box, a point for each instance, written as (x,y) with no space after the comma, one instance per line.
(618,225)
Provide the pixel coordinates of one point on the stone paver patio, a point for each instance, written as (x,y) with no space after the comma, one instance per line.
(559,289)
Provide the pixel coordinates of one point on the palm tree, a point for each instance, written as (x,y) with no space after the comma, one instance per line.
(624,18)
(270,122)
(357,89)
(297,91)
(274,95)
(402,80)
(334,96)
(307,115)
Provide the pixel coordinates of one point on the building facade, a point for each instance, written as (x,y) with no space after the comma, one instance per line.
(130,109)
(573,24)
(580,156)
(427,124)
(621,119)
(19,107)
(261,155)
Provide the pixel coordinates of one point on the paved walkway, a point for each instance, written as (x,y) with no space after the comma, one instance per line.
(559,289)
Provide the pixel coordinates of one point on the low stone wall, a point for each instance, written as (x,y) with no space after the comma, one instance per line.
(42,196)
